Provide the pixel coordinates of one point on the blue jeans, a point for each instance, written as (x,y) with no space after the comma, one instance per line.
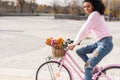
(102,47)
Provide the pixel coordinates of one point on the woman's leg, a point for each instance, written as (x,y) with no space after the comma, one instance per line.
(104,47)
(86,50)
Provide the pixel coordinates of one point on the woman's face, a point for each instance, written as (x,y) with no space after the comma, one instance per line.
(88,8)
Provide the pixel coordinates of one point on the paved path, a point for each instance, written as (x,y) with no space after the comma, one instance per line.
(22,47)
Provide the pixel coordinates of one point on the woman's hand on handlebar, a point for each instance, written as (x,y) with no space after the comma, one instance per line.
(71,46)
(68,44)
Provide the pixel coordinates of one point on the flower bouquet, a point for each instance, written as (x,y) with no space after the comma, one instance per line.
(57,46)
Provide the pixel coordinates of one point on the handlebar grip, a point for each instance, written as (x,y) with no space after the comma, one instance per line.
(68,41)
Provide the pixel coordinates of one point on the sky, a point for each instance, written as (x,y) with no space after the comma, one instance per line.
(48,2)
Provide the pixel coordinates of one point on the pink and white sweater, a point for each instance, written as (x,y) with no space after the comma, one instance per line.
(95,24)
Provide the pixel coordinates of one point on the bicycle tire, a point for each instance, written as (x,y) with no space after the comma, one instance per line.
(46,74)
(113,72)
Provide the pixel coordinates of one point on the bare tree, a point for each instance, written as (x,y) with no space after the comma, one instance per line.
(33,7)
(75,7)
(65,7)
(115,8)
(65,10)
(4,6)
(55,6)
(12,6)
(21,3)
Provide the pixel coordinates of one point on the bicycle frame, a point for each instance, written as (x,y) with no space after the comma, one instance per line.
(66,59)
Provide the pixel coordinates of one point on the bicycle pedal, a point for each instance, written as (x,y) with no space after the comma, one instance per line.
(95,71)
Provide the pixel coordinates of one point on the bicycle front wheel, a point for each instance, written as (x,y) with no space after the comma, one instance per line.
(49,71)
(110,73)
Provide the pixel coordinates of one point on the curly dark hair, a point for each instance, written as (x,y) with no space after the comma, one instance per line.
(98,5)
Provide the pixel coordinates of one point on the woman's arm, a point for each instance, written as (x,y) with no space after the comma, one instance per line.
(86,28)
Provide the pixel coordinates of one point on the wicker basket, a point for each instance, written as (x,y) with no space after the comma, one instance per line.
(58,52)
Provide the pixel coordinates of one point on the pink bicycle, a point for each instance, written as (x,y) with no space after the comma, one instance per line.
(66,68)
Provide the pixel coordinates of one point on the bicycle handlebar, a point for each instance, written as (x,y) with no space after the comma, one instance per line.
(68,41)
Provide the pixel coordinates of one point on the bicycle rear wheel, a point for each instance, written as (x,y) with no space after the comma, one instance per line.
(48,71)
(111,73)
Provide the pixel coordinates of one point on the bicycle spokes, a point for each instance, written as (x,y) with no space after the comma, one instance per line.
(57,75)
(50,71)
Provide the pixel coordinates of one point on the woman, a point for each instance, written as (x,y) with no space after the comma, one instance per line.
(95,24)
